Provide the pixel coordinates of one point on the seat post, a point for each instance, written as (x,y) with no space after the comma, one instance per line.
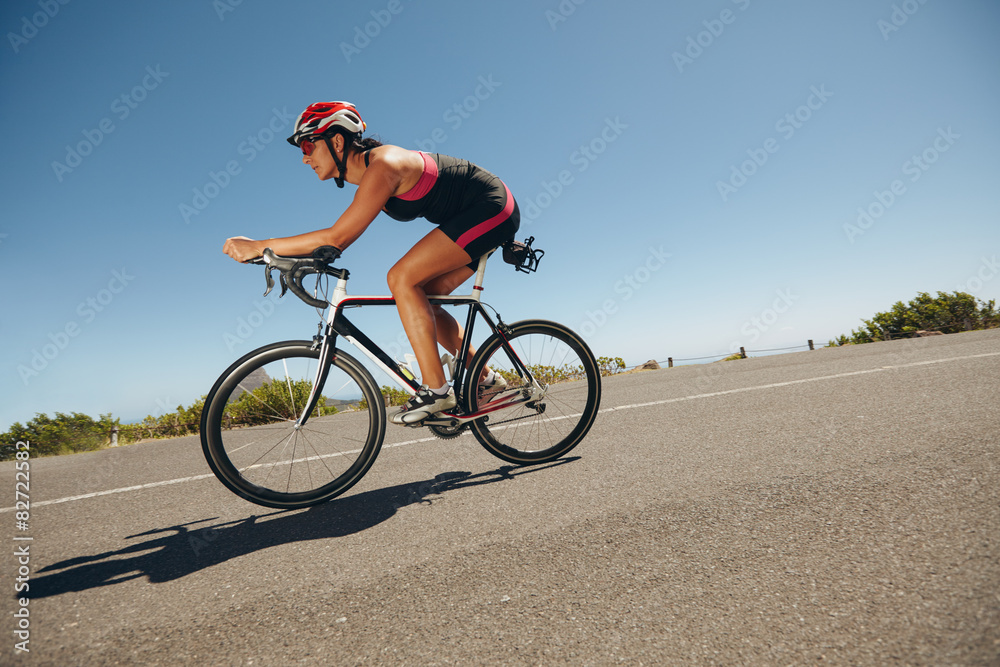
(477,286)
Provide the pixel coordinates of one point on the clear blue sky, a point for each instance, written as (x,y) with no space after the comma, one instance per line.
(736,136)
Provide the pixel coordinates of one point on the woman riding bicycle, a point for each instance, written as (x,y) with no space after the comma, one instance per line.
(474,212)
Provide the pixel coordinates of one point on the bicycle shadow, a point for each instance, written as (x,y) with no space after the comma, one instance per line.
(187,550)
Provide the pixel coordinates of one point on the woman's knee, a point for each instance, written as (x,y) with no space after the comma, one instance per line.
(399,279)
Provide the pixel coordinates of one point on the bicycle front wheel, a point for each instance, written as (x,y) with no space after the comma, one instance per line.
(255,443)
(565,396)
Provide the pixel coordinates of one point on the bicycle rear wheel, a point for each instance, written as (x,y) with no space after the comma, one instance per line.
(249,429)
(551,425)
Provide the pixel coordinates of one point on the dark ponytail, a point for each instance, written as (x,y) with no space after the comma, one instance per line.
(365,144)
(354,143)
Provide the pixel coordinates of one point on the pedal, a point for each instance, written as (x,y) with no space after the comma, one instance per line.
(446,421)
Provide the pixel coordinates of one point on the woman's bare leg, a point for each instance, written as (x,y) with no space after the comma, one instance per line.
(449,331)
(410,280)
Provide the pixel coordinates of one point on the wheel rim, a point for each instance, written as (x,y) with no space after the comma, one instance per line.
(264,455)
(560,411)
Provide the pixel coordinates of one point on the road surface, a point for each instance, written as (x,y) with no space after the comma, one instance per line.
(839,506)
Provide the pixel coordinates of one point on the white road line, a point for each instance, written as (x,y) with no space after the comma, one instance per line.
(110,491)
(151,485)
(794,382)
(614,409)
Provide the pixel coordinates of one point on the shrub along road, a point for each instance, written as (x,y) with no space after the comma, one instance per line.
(840,505)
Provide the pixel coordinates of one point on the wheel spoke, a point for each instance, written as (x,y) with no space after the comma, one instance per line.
(263,455)
(291,394)
(564,369)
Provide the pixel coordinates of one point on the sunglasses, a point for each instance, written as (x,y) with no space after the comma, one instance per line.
(308,146)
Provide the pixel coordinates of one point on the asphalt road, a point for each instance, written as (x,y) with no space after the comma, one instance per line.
(840,506)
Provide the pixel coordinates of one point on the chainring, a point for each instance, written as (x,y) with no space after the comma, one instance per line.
(447,432)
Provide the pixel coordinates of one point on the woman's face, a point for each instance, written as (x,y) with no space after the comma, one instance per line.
(319,158)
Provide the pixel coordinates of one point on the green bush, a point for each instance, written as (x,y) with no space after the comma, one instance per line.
(77,432)
(62,434)
(274,401)
(391,395)
(947,313)
(173,425)
(609,366)
(565,373)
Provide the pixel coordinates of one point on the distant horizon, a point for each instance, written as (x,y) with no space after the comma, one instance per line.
(678,363)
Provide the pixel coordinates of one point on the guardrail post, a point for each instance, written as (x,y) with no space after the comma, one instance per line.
(811,345)
(670,362)
(743,353)
(114,436)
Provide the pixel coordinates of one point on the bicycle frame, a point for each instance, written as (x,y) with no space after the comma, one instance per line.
(337,324)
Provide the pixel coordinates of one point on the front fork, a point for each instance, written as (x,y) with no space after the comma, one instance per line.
(327,347)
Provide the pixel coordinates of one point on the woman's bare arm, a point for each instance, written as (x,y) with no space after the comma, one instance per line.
(379,182)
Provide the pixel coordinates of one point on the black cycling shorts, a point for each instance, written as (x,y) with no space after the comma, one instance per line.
(482,228)
(473,207)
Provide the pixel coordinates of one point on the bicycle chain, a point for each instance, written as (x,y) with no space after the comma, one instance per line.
(512,419)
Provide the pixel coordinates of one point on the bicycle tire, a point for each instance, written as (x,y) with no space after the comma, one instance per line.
(248,431)
(560,359)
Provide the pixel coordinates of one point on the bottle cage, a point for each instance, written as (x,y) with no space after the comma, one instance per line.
(522,255)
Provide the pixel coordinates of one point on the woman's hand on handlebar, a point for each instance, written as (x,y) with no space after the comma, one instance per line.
(242,248)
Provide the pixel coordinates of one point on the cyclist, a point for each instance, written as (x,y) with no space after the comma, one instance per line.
(474,212)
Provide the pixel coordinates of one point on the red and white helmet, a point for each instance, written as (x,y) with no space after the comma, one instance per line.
(323,117)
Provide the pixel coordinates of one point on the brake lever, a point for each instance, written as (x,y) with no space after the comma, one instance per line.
(269,279)
(284,285)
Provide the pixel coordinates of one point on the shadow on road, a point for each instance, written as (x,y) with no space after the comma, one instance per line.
(187,549)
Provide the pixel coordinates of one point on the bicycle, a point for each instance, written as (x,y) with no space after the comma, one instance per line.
(299,422)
